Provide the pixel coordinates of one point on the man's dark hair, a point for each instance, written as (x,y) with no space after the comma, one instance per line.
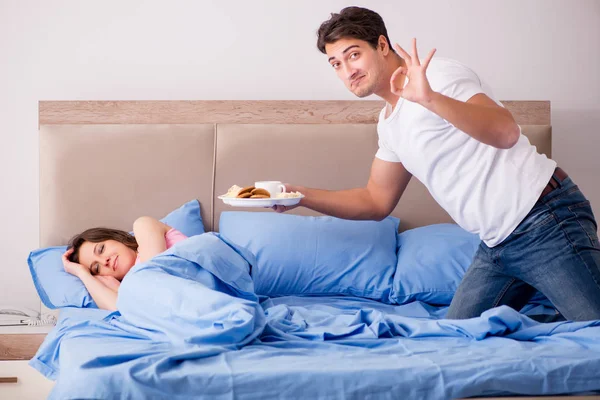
(352,22)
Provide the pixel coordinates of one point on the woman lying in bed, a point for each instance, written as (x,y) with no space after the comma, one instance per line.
(101,257)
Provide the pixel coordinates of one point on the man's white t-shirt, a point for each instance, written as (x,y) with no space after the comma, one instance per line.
(486,190)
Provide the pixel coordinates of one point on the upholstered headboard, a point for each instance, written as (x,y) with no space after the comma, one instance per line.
(107,163)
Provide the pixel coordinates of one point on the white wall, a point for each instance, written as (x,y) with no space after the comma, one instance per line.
(259,49)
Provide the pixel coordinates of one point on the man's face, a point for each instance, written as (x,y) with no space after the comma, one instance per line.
(357,64)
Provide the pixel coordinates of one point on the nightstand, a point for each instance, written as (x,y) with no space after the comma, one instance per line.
(18,344)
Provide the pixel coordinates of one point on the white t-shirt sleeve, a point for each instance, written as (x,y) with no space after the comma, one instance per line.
(385,153)
(459,82)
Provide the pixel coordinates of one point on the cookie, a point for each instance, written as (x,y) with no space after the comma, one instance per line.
(259,196)
(247,189)
(244,195)
(260,191)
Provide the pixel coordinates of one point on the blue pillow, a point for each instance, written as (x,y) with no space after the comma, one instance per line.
(299,255)
(432,261)
(57,288)
(187,219)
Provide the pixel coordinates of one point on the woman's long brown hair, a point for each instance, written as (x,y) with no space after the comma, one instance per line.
(97,235)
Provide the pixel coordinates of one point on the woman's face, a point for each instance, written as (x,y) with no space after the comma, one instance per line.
(107,258)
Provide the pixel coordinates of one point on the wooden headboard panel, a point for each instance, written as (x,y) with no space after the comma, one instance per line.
(208,146)
(244,112)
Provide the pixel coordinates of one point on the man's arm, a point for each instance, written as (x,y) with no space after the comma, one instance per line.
(480,117)
(376,201)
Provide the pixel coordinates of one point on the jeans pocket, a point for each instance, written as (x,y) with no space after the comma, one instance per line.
(536,219)
(585,218)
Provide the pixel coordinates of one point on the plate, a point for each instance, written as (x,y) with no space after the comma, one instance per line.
(237,202)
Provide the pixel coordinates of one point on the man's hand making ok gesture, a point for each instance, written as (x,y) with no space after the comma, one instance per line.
(417,89)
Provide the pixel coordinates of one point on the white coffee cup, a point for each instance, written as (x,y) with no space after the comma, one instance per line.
(273,187)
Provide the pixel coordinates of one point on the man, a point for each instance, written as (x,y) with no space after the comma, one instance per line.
(442,126)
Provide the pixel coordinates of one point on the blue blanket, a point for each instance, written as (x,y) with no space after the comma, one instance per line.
(190,326)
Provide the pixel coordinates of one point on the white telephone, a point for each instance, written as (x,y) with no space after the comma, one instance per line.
(15,316)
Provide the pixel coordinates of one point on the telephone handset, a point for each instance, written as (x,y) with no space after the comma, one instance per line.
(16,316)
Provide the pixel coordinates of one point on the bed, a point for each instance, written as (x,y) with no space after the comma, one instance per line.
(107,163)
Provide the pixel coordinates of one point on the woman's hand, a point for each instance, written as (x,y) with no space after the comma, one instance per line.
(71,267)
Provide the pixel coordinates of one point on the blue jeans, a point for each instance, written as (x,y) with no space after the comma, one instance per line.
(554,250)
